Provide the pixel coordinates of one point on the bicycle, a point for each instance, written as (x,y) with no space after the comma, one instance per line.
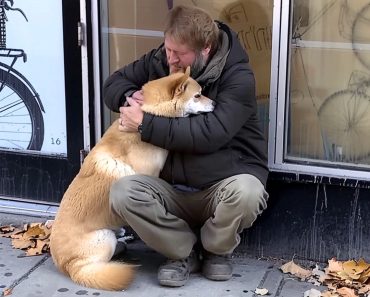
(21,119)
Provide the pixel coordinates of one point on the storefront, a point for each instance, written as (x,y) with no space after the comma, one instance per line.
(312,65)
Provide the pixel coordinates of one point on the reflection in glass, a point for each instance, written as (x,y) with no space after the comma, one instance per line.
(329,102)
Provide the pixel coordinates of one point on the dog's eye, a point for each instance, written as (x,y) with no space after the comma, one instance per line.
(197,95)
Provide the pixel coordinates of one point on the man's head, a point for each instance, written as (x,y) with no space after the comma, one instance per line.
(191,36)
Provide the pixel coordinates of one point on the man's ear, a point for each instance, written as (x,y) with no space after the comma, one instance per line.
(206,51)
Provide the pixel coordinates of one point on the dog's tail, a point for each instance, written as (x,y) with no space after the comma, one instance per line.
(112,276)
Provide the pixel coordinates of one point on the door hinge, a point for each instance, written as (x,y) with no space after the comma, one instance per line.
(80,33)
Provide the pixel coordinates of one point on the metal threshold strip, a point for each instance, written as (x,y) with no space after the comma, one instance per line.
(27,208)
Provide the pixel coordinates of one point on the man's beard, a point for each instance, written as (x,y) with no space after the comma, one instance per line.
(198,65)
(195,69)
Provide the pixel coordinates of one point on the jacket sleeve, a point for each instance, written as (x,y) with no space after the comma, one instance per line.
(206,133)
(126,80)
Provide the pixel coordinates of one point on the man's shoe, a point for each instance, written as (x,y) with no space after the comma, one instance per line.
(217,267)
(175,273)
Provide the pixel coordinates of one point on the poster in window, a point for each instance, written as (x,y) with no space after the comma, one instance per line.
(32,86)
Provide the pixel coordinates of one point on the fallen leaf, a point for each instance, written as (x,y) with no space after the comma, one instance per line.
(7,292)
(48,224)
(355,269)
(296,270)
(329,294)
(8,231)
(33,232)
(312,293)
(334,265)
(346,292)
(261,292)
(6,228)
(37,250)
(22,244)
(33,238)
(365,289)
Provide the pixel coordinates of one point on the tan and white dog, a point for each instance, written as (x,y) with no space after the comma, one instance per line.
(82,242)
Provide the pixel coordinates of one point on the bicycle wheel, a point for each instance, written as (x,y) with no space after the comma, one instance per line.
(345,123)
(21,120)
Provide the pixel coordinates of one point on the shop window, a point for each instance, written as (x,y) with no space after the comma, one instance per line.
(323,87)
(134,27)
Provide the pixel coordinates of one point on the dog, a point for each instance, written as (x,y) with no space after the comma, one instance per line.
(82,241)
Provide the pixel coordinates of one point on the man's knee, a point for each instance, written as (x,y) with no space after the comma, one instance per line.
(247,193)
(122,191)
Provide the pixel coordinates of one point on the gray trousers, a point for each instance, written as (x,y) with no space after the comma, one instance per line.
(166,218)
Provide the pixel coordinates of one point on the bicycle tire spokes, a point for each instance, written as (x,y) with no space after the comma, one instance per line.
(21,121)
(15,122)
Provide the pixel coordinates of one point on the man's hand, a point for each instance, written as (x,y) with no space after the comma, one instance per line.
(138,97)
(131,116)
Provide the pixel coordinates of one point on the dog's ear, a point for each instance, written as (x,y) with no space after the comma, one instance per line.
(187,71)
(181,83)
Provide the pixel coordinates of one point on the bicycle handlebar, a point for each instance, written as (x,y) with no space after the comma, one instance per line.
(4,5)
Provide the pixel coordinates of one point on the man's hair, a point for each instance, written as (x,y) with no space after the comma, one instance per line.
(192,26)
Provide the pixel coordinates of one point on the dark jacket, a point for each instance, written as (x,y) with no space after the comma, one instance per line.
(205,148)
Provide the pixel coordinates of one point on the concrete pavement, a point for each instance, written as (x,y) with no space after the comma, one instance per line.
(37,276)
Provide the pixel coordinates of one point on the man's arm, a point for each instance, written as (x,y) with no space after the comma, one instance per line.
(125,81)
(206,133)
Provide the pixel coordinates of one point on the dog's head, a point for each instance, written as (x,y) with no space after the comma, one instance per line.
(176,95)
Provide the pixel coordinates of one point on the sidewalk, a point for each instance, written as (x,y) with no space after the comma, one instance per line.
(37,276)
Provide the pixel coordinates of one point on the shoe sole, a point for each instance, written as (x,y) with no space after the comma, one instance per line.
(219,277)
(172,283)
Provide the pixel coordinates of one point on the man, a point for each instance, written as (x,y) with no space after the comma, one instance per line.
(212,185)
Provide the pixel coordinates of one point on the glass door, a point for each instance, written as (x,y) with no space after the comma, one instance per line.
(41,127)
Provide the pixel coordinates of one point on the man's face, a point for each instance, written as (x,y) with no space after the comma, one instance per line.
(179,56)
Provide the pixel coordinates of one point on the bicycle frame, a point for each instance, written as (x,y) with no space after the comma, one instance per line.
(37,96)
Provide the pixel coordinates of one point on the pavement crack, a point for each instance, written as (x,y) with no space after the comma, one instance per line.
(271,281)
(25,276)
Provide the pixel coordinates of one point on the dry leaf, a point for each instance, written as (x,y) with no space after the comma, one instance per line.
(37,250)
(33,232)
(22,244)
(296,270)
(329,294)
(365,289)
(7,292)
(346,292)
(312,293)
(355,269)
(347,279)
(34,238)
(334,265)
(6,228)
(8,231)
(261,292)
(48,224)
